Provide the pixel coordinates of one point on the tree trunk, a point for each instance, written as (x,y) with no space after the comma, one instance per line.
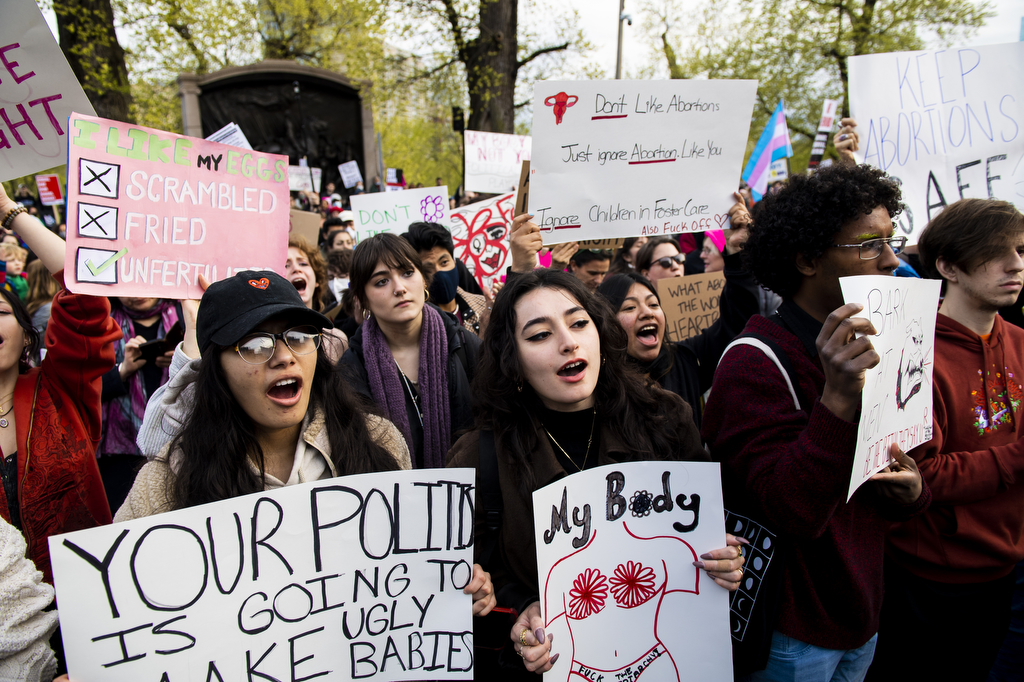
(492,66)
(85,30)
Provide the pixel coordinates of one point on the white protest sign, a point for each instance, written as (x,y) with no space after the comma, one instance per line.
(493,160)
(394,211)
(358,577)
(350,174)
(896,403)
(631,158)
(231,135)
(948,124)
(304,179)
(38,92)
(619,591)
(480,234)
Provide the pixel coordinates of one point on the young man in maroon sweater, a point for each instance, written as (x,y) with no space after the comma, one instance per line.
(792,467)
(954,565)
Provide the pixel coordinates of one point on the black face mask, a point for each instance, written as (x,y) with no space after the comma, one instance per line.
(443,286)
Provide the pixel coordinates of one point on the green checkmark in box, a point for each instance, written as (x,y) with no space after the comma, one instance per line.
(96,270)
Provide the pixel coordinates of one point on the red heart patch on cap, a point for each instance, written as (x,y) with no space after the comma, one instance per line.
(262,284)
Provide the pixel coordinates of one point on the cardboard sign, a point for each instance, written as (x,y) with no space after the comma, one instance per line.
(896,403)
(50,193)
(231,135)
(493,160)
(304,179)
(38,92)
(779,170)
(350,174)
(149,211)
(631,158)
(358,577)
(947,124)
(480,232)
(305,224)
(690,303)
(619,591)
(523,190)
(394,211)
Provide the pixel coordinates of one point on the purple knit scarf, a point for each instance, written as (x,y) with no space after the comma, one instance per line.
(389,393)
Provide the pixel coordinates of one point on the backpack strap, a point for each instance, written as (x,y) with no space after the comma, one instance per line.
(490,494)
(776,354)
(461,353)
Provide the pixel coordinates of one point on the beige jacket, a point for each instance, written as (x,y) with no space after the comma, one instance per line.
(150,493)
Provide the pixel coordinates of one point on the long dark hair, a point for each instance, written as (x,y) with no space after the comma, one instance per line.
(218,439)
(646,417)
(24,321)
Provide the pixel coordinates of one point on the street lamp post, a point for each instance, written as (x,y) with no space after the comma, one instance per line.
(629,20)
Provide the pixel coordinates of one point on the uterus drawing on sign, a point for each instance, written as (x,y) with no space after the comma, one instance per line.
(912,361)
(608,596)
(559,104)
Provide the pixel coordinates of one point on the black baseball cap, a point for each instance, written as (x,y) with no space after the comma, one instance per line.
(233,307)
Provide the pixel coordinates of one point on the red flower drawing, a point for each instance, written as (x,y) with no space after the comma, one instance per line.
(588,593)
(632,584)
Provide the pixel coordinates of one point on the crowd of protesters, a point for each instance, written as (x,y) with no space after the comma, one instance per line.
(387,355)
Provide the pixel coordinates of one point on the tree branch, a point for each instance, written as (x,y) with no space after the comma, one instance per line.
(544,50)
(452,14)
(427,74)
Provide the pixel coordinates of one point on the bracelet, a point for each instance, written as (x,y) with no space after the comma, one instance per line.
(11,215)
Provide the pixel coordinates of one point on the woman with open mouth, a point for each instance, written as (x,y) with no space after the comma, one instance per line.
(411,359)
(561,399)
(306,269)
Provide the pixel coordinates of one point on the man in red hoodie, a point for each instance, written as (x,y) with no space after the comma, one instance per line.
(950,572)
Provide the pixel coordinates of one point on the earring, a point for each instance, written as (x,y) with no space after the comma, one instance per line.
(519,386)
(366,315)
(603,360)
(426,295)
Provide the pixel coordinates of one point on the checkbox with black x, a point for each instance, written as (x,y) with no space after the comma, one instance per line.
(97,222)
(98,179)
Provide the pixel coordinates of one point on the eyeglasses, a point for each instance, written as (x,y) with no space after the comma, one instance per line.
(872,248)
(667,261)
(258,347)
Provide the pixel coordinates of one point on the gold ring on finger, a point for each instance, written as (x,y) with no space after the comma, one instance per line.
(522,639)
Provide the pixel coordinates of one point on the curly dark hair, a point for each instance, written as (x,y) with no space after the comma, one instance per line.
(648,418)
(805,215)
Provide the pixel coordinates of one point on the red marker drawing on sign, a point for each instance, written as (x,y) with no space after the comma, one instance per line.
(560,103)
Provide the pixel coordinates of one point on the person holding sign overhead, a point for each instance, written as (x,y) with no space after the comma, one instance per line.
(50,415)
(556,396)
(410,358)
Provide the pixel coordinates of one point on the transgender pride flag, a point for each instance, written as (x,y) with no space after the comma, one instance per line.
(772,146)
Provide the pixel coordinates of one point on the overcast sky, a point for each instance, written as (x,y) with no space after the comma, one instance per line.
(599,18)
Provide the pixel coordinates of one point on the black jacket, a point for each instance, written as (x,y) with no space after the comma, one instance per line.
(463,352)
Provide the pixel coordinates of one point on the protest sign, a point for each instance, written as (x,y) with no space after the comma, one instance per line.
(305,224)
(394,211)
(350,174)
(149,211)
(779,170)
(231,135)
(690,303)
(50,193)
(493,160)
(947,124)
(304,179)
(619,592)
(828,117)
(480,233)
(896,403)
(38,91)
(631,158)
(358,577)
(523,190)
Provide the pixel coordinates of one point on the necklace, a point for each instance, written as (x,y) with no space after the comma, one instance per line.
(3,421)
(589,442)
(414,396)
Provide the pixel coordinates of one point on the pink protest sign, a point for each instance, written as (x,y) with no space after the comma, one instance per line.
(149,211)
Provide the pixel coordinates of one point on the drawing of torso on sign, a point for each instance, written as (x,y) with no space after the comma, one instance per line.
(620,592)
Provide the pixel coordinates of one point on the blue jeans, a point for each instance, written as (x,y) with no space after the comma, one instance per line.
(791,660)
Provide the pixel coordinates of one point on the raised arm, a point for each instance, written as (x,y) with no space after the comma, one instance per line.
(45,244)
